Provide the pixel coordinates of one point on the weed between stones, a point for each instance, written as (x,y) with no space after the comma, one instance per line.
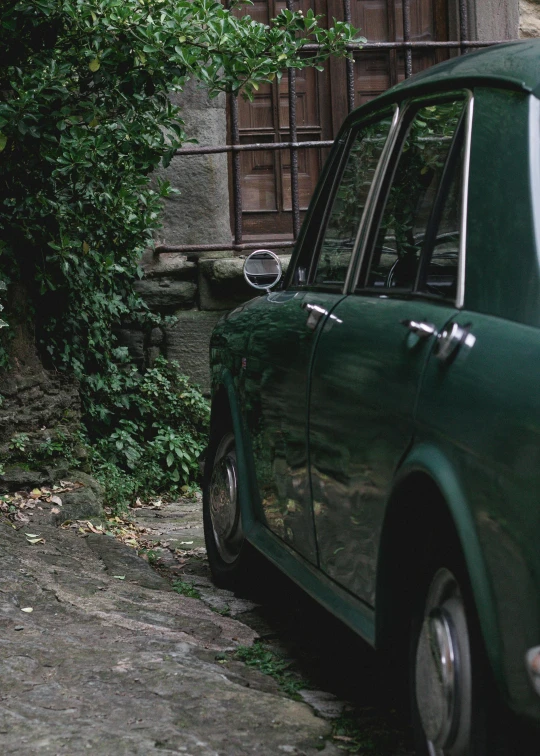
(263,658)
(185,589)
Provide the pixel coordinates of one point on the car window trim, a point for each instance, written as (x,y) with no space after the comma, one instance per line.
(338,175)
(460,296)
(328,174)
(408,111)
(369,209)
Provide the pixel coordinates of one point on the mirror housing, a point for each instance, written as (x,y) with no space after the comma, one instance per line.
(262,269)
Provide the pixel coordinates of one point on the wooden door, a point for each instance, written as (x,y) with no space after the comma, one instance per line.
(322,102)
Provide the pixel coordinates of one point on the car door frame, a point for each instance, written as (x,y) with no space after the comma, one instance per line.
(351,610)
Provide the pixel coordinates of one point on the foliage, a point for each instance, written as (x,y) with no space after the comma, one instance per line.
(160,424)
(185,589)
(262,657)
(85,118)
(25,450)
(420,167)
(3,287)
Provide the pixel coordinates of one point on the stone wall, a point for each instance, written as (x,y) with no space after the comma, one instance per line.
(529,18)
(39,403)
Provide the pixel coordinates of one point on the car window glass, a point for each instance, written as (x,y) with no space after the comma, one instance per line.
(441,265)
(349,202)
(410,199)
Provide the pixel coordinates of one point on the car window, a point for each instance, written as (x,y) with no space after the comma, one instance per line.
(439,276)
(411,197)
(348,203)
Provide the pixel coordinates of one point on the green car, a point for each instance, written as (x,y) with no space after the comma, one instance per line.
(375,425)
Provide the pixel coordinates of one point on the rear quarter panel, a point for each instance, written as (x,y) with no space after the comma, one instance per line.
(481,416)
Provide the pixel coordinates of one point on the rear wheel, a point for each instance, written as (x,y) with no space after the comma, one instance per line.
(442,668)
(455,710)
(229,555)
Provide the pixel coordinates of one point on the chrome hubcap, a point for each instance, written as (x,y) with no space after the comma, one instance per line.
(443,670)
(224,507)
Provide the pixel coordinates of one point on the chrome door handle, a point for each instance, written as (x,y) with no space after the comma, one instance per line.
(421,329)
(450,340)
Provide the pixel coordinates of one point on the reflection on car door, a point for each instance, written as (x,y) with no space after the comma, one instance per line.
(370,356)
(286,327)
(363,389)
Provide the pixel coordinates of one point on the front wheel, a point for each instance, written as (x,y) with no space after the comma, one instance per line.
(228,552)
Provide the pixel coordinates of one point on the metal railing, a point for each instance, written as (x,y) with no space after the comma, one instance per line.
(407,45)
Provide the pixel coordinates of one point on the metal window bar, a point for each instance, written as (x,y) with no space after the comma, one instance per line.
(407,45)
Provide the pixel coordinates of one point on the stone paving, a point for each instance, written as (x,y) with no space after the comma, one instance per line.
(111,660)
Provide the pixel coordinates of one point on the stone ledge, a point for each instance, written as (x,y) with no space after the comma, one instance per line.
(166,295)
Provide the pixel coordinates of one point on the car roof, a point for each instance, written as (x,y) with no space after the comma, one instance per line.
(512,65)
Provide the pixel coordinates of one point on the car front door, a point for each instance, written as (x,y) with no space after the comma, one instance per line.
(371,354)
(286,326)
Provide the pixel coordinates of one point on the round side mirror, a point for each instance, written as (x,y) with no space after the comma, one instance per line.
(262,269)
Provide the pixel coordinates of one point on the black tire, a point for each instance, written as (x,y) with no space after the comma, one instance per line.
(230,556)
(455,710)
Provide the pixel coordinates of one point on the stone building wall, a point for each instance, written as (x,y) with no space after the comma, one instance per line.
(529,18)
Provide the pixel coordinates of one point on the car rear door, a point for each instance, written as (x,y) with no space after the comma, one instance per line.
(371,354)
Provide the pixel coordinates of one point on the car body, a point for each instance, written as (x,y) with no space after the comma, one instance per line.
(376,418)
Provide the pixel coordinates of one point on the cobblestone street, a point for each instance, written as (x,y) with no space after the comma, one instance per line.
(113,660)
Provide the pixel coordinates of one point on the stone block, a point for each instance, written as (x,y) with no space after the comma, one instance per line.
(152,355)
(83,502)
(165,294)
(529,18)
(217,296)
(188,340)
(18,478)
(199,212)
(222,285)
(229,269)
(170,264)
(156,336)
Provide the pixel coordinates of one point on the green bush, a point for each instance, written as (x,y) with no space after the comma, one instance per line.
(159,434)
(85,118)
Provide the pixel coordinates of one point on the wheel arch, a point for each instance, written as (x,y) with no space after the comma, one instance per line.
(427,499)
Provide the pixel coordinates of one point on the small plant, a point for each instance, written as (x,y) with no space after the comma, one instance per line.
(160,428)
(185,589)
(18,442)
(354,733)
(151,556)
(263,658)
(225,611)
